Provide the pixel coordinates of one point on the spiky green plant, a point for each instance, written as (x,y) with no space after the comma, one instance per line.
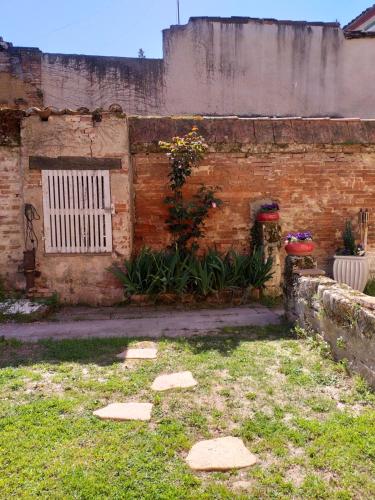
(349,239)
(152,272)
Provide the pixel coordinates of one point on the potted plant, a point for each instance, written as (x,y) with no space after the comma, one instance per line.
(268,213)
(351,265)
(299,243)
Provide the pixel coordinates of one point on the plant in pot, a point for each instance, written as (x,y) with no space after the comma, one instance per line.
(268,212)
(299,243)
(351,265)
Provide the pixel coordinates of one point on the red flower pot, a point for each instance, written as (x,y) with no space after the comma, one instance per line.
(268,216)
(300,248)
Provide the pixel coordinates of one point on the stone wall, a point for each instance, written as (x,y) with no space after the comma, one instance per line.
(343,317)
(210,66)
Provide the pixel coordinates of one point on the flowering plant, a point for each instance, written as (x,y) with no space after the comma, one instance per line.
(184,153)
(269,207)
(186,218)
(298,237)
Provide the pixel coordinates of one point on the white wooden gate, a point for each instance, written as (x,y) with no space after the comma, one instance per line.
(77,211)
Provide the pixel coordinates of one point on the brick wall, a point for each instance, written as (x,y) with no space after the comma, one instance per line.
(11,235)
(11,238)
(320,171)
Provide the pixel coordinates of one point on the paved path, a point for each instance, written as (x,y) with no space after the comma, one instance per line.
(139,322)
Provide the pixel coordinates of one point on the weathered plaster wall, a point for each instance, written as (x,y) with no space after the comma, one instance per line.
(245,66)
(320,171)
(20,77)
(71,81)
(344,318)
(233,66)
(81,278)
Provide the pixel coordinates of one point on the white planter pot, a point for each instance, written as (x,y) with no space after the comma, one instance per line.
(352,270)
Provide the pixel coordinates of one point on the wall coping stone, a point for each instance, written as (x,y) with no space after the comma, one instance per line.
(224,134)
(235,134)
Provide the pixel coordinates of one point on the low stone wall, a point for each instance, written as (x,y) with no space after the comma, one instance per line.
(344,317)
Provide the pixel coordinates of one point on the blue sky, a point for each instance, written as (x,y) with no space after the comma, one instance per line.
(121,27)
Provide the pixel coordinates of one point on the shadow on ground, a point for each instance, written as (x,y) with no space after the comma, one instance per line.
(102,351)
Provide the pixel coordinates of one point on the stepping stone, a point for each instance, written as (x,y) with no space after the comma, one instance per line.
(220,454)
(141,350)
(138,354)
(173,381)
(125,411)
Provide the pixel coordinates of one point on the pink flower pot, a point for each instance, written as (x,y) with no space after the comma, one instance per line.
(268,216)
(300,248)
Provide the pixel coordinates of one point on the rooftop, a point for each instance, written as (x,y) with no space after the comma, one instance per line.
(361,18)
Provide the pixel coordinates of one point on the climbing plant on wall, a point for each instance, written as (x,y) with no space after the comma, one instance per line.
(186,217)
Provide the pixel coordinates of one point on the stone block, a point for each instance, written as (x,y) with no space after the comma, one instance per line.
(125,411)
(220,454)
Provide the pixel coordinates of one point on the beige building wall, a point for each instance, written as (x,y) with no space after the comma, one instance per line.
(267,68)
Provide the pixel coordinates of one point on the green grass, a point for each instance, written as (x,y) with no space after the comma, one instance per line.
(310,424)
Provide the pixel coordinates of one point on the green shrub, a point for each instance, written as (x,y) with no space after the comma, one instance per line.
(370,287)
(153,272)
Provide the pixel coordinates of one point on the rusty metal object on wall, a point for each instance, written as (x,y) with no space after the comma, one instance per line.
(29,268)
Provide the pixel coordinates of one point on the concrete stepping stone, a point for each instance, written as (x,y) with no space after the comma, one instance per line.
(141,350)
(174,381)
(125,411)
(220,454)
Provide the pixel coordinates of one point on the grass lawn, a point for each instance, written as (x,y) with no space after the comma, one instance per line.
(311,425)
